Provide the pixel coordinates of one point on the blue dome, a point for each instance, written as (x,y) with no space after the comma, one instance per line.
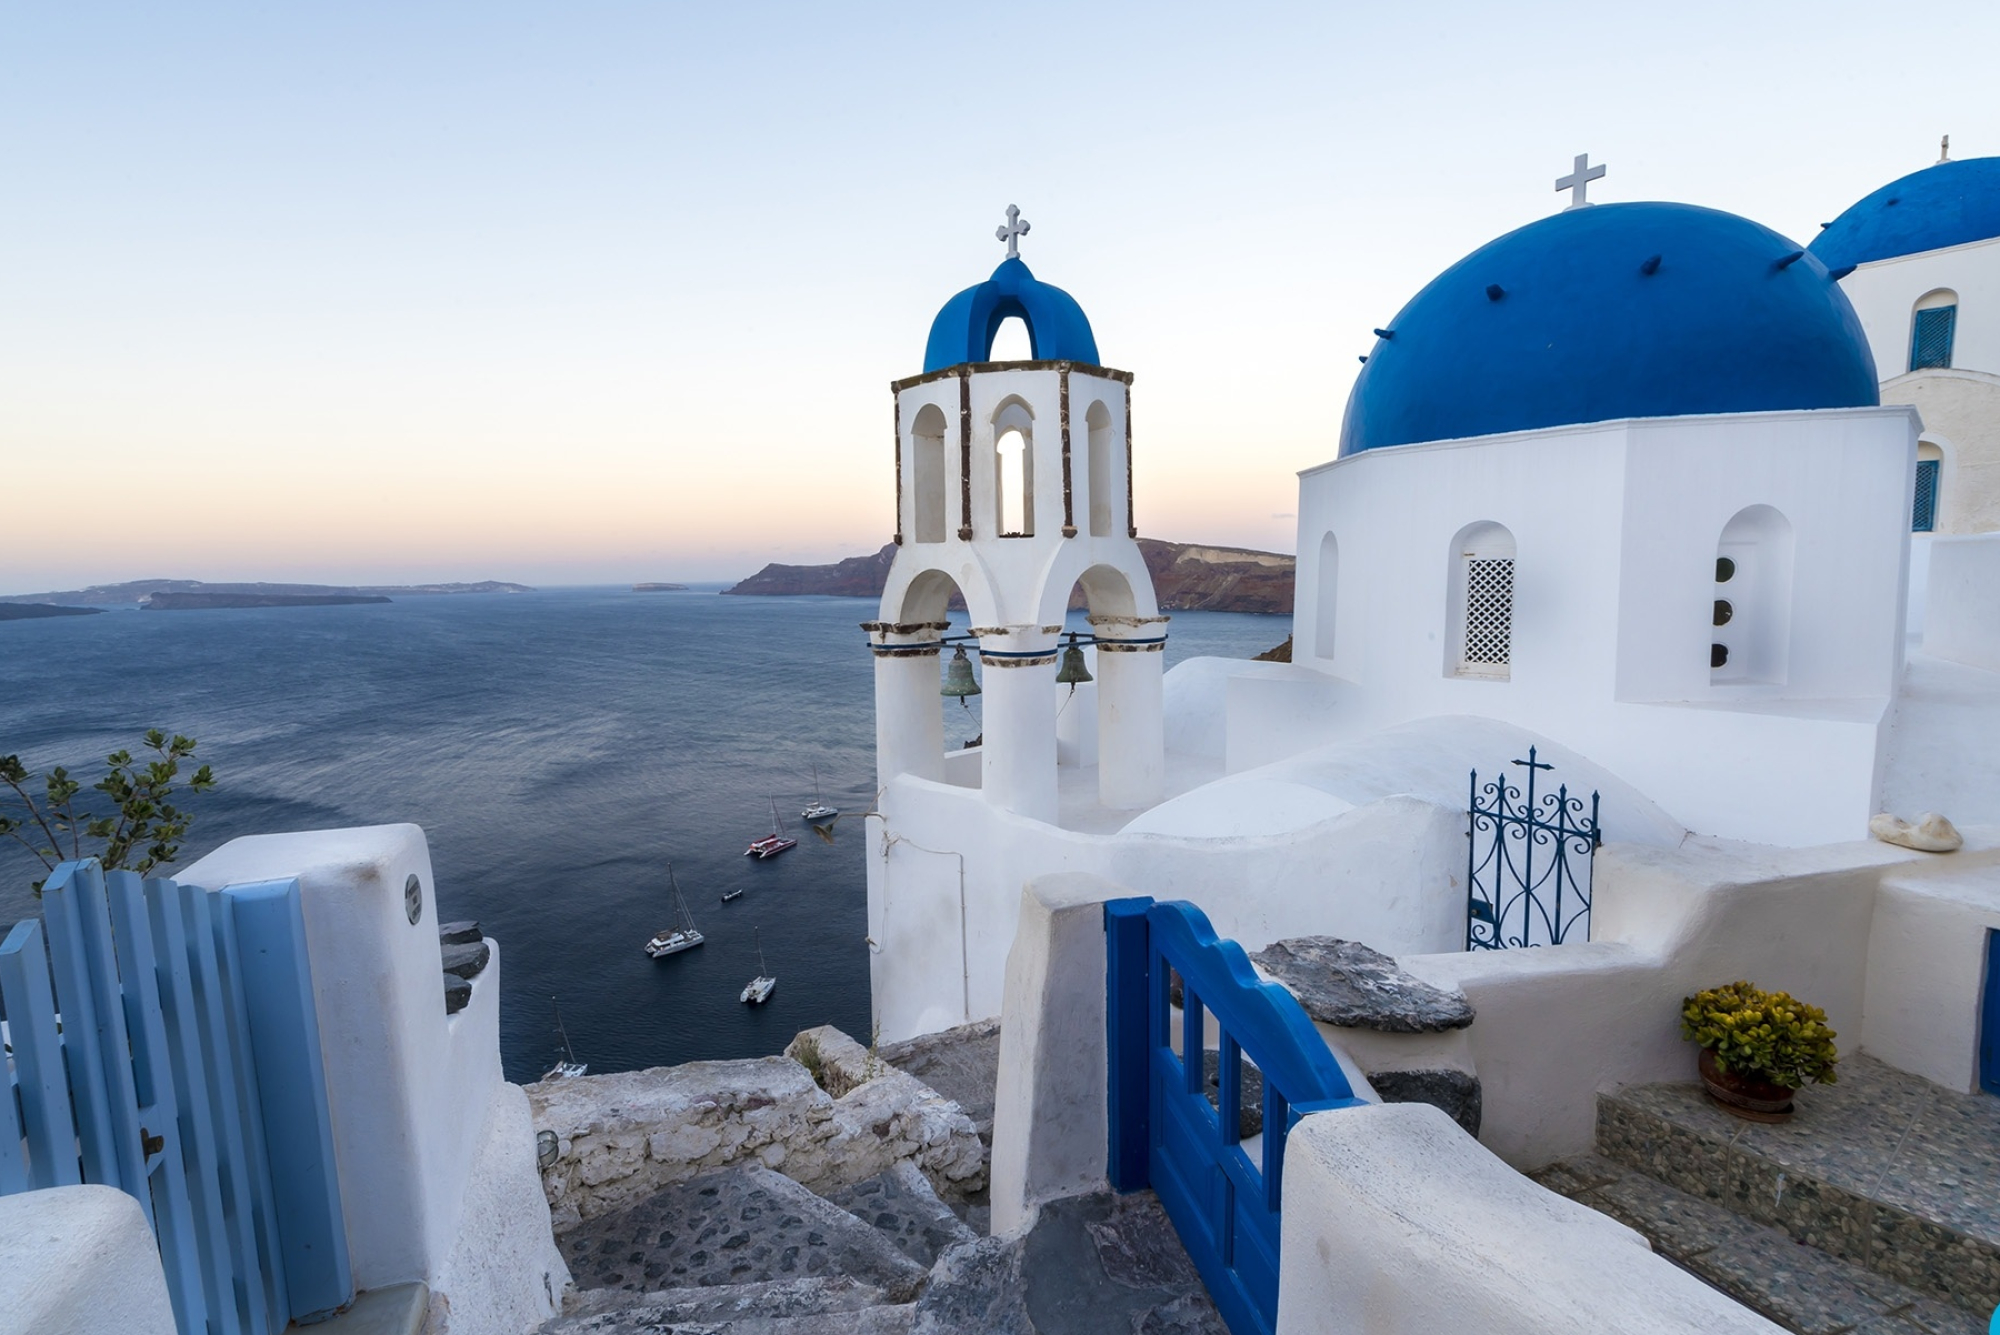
(1610,311)
(1945,205)
(964,329)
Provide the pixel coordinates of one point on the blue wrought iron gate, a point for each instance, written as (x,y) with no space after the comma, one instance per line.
(177,1058)
(1524,852)
(1165,1131)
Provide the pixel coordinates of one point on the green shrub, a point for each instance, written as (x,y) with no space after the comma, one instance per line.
(1761,1035)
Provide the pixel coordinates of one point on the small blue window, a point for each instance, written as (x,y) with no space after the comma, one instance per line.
(1930,337)
(1923,512)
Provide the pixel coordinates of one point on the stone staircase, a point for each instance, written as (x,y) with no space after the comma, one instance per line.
(1875,1210)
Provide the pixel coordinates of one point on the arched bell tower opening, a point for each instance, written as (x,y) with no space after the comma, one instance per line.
(1014,487)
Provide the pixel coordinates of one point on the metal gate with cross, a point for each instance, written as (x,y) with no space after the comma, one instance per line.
(1222,1191)
(177,1058)
(1524,853)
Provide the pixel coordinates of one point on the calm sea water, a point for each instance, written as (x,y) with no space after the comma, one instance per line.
(559,748)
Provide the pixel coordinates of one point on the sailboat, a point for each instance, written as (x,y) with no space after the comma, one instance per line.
(682,935)
(819,812)
(761,987)
(567,1067)
(773,843)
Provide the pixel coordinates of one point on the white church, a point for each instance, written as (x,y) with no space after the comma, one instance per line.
(1702,515)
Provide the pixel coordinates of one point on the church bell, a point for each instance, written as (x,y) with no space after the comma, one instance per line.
(1072,670)
(958,677)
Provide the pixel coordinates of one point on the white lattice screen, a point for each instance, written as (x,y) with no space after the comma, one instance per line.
(1489,611)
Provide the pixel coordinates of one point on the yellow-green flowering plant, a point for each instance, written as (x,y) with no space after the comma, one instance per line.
(1768,1036)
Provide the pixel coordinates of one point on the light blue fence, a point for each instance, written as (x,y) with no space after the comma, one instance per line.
(177,1058)
(1169,1132)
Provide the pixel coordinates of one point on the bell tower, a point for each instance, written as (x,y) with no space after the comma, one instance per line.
(1013,487)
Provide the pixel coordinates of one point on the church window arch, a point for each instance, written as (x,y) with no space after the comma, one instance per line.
(1750,621)
(1012,341)
(1481,641)
(1327,602)
(1014,470)
(930,494)
(1933,322)
(1106,496)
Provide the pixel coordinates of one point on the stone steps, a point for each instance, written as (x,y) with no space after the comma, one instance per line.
(1882,1194)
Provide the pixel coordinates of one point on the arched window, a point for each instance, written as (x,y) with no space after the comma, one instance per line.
(1011,342)
(1931,327)
(1106,496)
(1014,470)
(1329,595)
(1481,643)
(1752,616)
(1924,504)
(929,494)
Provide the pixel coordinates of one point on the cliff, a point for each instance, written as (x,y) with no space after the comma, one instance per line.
(36,611)
(1188,576)
(170,601)
(139,590)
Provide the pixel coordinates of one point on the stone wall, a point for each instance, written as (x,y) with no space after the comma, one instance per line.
(620,1138)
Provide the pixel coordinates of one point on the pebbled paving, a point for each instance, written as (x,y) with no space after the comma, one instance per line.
(733,1227)
(901,1205)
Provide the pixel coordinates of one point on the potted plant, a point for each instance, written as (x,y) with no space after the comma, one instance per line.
(1758,1048)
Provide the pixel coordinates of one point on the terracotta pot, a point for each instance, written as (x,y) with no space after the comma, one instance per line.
(1747,1097)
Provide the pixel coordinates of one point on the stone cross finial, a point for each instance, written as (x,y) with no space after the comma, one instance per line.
(1016,228)
(1579,179)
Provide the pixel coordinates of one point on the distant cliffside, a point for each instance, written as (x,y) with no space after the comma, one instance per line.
(169,601)
(36,611)
(1188,576)
(139,590)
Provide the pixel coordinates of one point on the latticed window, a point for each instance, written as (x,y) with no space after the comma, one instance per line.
(1923,513)
(1930,338)
(1489,612)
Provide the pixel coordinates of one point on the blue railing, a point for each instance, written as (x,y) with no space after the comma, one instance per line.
(1166,1130)
(177,1058)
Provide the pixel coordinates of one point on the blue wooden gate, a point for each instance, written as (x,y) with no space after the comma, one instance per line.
(1989,1019)
(177,1058)
(1165,1131)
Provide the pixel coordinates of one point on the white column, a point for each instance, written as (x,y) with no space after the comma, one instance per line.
(1131,724)
(1018,756)
(909,726)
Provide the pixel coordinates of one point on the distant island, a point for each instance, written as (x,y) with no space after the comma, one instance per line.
(659,588)
(36,611)
(168,600)
(1188,576)
(147,591)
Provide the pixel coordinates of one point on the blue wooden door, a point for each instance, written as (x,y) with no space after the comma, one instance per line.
(1166,1132)
(1989,1019)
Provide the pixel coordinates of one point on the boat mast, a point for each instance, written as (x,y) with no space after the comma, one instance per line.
(569,1053)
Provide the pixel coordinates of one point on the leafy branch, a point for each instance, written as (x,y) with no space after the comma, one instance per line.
(145,827)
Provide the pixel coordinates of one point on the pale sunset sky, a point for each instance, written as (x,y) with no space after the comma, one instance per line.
(603,292)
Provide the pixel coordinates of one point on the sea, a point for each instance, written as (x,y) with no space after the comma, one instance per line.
(560,749)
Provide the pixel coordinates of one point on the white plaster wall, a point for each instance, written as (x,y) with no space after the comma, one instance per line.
(1926,954)
(1886,292)
(1962,617)
(80,1261)
(1961,413)
(1616,527)
(1398,1223)
(410,1091)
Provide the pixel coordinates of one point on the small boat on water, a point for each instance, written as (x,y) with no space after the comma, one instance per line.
(567,1067)
(682,935)
(760,988)
(773,843)
(819,813)
(728,895)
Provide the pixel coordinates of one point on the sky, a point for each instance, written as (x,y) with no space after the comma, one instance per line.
(607,292)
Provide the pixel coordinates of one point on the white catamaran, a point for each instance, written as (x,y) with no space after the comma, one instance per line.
(819,813)
(682,935)
(763,985)
(567,1067)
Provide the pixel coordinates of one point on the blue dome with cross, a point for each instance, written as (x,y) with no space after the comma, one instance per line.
(1058,330)
(1948,204)
(1612,311)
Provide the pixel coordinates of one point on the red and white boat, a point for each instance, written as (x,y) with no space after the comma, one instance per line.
(771,844)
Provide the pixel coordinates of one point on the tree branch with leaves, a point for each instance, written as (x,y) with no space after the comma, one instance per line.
(145,828)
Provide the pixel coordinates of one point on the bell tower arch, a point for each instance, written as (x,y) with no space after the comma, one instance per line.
(1015,536)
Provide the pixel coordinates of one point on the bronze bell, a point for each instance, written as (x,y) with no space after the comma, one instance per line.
(958,677)
(1072,670)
